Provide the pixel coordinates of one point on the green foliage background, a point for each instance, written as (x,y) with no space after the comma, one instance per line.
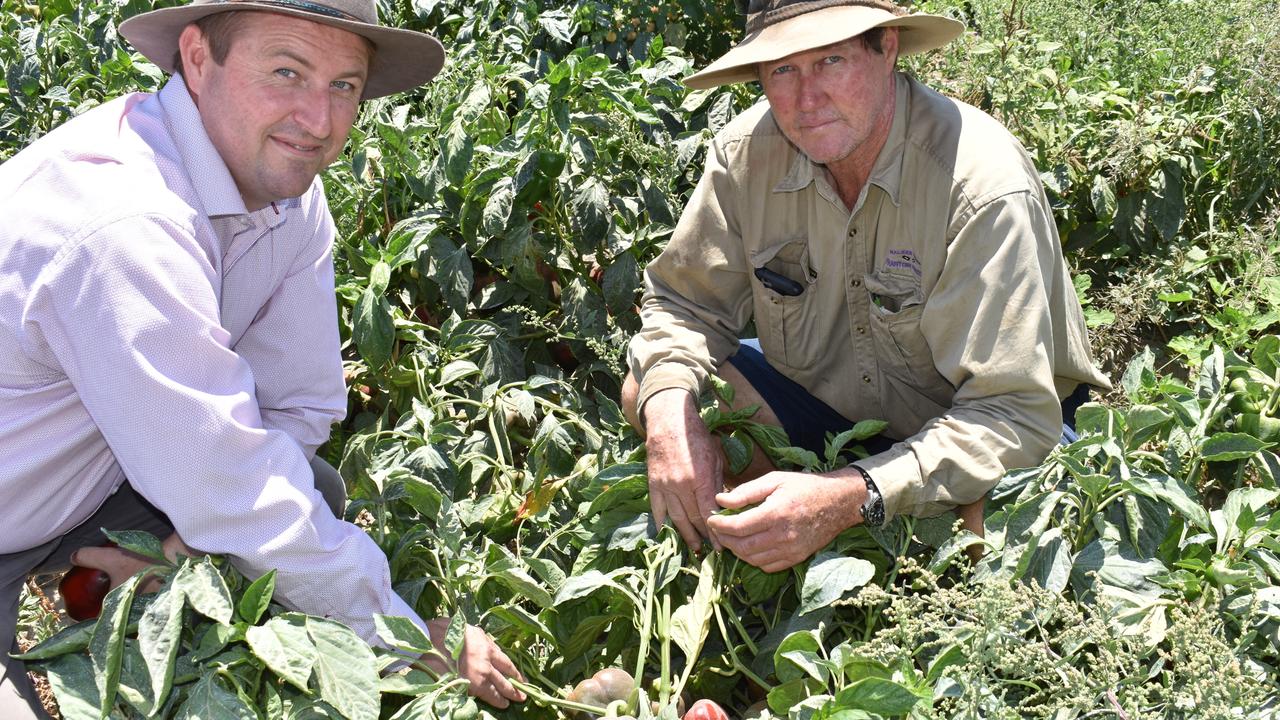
(493,229)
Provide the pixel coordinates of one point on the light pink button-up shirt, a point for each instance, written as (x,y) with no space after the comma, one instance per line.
(153,329)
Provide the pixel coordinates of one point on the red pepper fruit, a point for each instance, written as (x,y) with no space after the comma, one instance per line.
(706,710)
(82,590)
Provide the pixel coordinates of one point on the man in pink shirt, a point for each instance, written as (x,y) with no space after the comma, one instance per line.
(169,351)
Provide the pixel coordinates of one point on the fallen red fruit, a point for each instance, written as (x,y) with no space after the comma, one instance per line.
(82,590)
(706,710)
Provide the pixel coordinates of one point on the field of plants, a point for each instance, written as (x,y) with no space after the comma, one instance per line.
(493,228)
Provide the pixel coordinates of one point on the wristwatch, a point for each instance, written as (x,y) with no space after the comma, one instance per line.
(873,506)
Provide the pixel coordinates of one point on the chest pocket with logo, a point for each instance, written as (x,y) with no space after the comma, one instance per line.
(785,321)
(896,308)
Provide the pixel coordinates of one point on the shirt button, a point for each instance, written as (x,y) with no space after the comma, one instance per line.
(866,379)
(862,331)
(855,282)
(853,231)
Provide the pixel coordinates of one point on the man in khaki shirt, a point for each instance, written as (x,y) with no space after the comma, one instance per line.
(899,259)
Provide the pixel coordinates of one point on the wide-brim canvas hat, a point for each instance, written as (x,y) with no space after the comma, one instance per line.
(402,59)
(778,28)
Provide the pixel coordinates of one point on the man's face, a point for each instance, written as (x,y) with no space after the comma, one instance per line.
(280,107)
(828,101)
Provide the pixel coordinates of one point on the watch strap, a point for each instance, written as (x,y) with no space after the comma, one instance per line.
(873,506)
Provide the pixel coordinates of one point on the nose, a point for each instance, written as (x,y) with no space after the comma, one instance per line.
(811,95)
(314,112)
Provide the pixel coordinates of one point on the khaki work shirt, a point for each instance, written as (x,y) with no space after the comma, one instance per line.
(941,303)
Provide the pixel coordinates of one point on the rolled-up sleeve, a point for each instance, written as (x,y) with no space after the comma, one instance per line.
(129,312)
(697,294)
(988,324)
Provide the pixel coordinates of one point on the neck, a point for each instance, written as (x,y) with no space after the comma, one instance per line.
(851,172)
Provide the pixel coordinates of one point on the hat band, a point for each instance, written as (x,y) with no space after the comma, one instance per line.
(761,20)
(304,6)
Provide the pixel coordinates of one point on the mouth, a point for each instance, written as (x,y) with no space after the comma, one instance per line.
(815,125)
(300,149)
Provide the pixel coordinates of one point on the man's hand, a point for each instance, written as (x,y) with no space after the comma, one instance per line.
(686,465)
(121,565)
(798,514)
(481,662)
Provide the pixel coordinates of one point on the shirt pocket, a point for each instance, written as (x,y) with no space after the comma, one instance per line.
(783,321)
(896,309)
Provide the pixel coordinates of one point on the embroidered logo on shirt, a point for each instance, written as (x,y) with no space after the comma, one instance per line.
(903,259)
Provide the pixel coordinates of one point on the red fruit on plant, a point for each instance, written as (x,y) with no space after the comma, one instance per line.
(82,590)
(706,710)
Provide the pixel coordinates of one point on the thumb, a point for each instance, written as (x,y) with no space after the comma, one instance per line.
(748,493)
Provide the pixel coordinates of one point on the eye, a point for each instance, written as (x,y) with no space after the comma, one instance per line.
(832,59)
(782,69)
(286,73)
(342,85)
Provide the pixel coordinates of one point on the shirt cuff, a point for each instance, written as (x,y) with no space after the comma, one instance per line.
(665,377)
(896,473)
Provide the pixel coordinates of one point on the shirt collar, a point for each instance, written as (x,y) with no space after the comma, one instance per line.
(887,173)
(209,174)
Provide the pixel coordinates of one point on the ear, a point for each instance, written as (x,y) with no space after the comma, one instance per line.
(195,58)
(889,44)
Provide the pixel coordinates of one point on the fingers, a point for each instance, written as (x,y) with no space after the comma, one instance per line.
(749,493)
(117,563)
(690,525)
(174,546)
(488,670)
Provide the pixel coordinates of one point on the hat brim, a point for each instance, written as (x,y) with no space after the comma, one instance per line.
(917,33)
(403,59)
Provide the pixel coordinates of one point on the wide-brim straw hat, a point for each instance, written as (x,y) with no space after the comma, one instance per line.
(402,59)
(778,28)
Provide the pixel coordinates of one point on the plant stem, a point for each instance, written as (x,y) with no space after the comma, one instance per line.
(536,693)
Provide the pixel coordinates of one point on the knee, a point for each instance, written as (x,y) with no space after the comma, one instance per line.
(630,394)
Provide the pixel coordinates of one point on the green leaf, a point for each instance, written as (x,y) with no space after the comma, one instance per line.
(797,655)
(1230,446)
(205,589)
(345,669)
(402,633)
(497,209)
(1166,206)
(1049,565)
(621,284)
(738,450)
(829,577)
(106,646)
(525,586)
(877,695)
(140,542)
(70,639)
(456,153)
(284,645)
(372,328)
(591,211)
(257,597)
(1103,197)
(379,278)
(1175,493)
(588,582)
(209,700)
(73,681)
(160,638)
(451,270)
